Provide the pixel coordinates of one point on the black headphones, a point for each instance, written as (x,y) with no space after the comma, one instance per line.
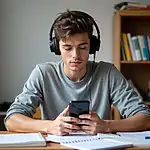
(94,41)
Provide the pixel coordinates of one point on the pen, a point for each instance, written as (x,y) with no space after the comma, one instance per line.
(147,137)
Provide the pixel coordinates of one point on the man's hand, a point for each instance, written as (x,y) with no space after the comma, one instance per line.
(63,124)
(92,124)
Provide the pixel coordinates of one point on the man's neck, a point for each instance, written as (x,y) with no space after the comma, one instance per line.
(75,75)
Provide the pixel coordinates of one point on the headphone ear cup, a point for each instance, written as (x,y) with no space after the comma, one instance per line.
(94,44)
(54,46)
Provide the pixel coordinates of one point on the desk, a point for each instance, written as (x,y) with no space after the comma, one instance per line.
(51,145)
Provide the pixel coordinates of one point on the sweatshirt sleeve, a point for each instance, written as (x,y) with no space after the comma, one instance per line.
(30,98)
(124,97)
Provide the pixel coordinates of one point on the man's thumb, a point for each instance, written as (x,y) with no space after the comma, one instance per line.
(65,111)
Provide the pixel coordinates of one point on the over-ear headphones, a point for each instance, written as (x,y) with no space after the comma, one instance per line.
(94,40)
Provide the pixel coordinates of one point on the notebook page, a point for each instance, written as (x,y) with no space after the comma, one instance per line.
(108,135)
(20,138)
(96,143)
(70,137)
(135,135)
(137,138)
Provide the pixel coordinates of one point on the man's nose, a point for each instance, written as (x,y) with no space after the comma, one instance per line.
(76,52)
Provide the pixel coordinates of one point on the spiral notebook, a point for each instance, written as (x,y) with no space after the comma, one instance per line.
(95,143)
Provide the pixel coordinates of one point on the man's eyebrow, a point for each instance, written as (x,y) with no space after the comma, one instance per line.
(85,43)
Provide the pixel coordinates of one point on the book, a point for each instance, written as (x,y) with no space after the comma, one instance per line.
(22,140)
(136,47)
(126,47)
(141,44)
(96,143)
(146,47)
(128,5)
(123,54)
(148,43)
(132,48)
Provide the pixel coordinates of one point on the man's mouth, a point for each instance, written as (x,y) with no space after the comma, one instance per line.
(76,63)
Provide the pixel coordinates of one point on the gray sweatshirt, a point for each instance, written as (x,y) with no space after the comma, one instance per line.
(103,85)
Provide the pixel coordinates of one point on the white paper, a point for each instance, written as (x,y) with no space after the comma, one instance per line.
(137,138)
(135,135)
(70,137)
(108,135)
(21,139)
(96,143)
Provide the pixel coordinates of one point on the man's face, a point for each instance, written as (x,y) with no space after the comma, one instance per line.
(75,52)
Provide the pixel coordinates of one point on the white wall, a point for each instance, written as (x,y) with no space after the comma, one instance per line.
(24,27)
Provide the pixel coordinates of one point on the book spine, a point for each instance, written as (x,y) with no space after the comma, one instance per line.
(148,42)
(126,46)
(123,55)
(133,52)
(136,48)
(130,4)
(141,44)
(146,48)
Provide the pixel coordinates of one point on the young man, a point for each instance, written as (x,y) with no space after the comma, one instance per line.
(54,85)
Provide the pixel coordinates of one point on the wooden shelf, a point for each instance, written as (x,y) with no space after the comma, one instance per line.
(37,115)
(132,13)
(135,22)
(147,103)
(135,62)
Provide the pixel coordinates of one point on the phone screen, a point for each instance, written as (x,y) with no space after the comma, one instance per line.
(77,108)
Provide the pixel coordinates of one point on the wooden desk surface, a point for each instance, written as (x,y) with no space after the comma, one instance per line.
(52,145)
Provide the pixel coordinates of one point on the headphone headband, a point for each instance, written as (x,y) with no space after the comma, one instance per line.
(95,41)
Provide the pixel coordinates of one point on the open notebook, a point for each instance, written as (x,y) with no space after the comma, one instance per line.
(22,139)
(95,143)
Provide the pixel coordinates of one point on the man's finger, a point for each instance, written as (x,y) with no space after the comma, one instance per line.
(92,112)
(71,119)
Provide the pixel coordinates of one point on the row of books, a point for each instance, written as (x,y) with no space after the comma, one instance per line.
(131,6)
(135,48)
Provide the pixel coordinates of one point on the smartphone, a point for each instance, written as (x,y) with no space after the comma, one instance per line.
(77,108)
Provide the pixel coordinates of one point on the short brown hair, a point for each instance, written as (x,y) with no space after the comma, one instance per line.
(72,22)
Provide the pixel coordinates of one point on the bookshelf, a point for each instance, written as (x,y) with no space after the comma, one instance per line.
(136,22)
(37,115)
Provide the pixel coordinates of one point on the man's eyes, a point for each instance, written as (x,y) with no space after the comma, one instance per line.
(67,49)
(82,48)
